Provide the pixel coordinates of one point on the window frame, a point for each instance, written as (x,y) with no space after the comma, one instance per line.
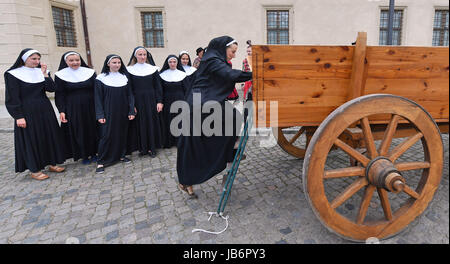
(401,30)
(290,25)
(442,29)
(63,29)
(142,12)
(278,29)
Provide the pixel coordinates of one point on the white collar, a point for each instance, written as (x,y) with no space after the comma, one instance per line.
(142,69)
(114,79)
(189,69)
(28,75)
(79,75)
(173,75)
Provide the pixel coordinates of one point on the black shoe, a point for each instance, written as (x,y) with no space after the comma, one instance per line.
(141,154)
(125,160)
(152,154)
(100,169)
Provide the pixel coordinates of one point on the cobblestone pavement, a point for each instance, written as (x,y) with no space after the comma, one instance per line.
(140,203)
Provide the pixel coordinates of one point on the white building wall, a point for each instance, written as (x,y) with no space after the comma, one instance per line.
(115,25)
(29,24)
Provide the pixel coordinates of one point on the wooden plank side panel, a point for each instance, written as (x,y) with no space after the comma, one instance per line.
(292,115)
(418,73)
(302,88)
(431,94)
(307,82)
(306,62)
(305,54)
(299,100)
(258,87)
(407,62)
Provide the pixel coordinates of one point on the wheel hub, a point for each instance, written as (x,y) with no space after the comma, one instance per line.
(382,173)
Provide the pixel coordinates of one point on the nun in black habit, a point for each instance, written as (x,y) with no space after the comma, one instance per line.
(145,131)
(114,107)
(74,98)
(38,139)
(174,86)
(200,157)
(186,63)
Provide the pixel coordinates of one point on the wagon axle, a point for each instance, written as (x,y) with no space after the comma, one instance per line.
(382,173)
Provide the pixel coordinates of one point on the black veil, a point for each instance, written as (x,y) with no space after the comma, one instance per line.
(133,59)
(217,48)
(106,69)
(63,64)
(19,62)
(166,63)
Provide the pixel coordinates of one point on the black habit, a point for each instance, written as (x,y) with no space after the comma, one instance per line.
(145,132)
(40,143)
(114,102)
(174,86)
(201,157)
(75,97)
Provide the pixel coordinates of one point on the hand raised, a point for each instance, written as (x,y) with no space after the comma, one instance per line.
(44,69)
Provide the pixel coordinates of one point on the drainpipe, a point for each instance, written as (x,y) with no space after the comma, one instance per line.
(86,33)
(390,21)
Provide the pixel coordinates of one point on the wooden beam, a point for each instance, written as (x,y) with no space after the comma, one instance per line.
(359,71)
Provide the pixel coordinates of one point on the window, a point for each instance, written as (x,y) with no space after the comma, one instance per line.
(277,26)
(440,28)
(396,28)
(64,27)
(152,29)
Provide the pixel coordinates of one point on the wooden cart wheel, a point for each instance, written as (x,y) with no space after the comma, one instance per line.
(294,145)
(381,169)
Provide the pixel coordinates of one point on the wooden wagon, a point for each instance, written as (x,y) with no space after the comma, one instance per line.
(371,103)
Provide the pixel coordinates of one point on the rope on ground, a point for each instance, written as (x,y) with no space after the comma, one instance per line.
(211,214)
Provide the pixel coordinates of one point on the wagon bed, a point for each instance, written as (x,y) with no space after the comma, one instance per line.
(357,100)
(309,82)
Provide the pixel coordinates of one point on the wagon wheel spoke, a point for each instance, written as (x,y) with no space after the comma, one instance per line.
(401,201)
(411,192)
(404,146)
(388,135)
(382,193)
(365,204)
(352,152)
(368,138)
(416,165)
(344,172)
(299,133)
(349,192)
(291,146)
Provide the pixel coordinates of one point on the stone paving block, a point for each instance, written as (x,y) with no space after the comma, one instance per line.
(129,239)
(112,235)
(140,203)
